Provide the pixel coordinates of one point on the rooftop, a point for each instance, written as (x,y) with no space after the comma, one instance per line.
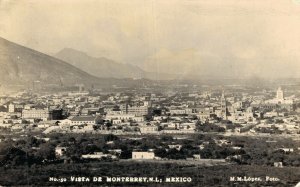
(83,118)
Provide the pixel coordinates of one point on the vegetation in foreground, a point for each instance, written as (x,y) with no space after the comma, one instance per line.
(201,175)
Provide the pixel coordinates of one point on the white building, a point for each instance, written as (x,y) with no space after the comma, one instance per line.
(148,129)
(60,151)
(143,155)
(36,114)
(280,99)
(98,155)
(80,120)
(177,111)
(11,108)
(120,116)
(136,110)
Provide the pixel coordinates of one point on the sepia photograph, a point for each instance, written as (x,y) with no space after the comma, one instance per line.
(158,93)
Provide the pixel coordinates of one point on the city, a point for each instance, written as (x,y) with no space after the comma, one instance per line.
(193,125)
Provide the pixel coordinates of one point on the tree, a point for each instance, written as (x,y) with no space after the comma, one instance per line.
(111,137)
(167,138)
(175,154)
(161,152)
(46,151)
(14,156)
(99,120)
(126,153)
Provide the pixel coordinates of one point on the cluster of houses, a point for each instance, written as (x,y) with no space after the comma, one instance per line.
(137,113)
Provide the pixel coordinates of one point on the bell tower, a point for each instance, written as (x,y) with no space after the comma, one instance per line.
(279,94)
(223,106)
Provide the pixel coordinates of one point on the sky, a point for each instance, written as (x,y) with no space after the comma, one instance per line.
(232,38)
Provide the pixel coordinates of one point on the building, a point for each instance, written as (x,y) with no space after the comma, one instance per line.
(60,151)
(15,108)
(177,147)
(143,155)
(135,110)
(197,157)
(80,120)
(98,155)
(36,114)
(11,108)
(279,102)
(287,150)
(177,111)
(278,165)
(56,114)
(280,94)
(91,111)
(149,129)
(223,107)
(205,115)
(280,99)
(124,117)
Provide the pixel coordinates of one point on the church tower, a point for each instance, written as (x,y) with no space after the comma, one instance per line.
(280,95)
(223,106)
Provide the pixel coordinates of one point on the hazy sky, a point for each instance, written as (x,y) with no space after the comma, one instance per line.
(238,38)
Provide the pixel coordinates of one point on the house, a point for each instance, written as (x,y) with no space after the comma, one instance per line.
(17,127)
(278,164)
(148,129)
(177,147)
(136,110)
(44,125)
(287,150)
(115,151)
(176,111)
(60,151)
(36,114)
(138,119)
(197,157)
(188,126)
(80,120)
(123,117)
(98,155)
(143,155)
(205,114)
(116,121)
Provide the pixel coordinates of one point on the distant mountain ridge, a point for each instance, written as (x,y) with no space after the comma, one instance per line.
(99,67)
(103,67)
(20,65)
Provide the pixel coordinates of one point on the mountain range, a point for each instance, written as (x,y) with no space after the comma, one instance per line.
(99,67)
(104,67)
(20,65)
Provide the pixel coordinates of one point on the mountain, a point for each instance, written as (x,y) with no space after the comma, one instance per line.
(99,67)
(103,67)
(22,66)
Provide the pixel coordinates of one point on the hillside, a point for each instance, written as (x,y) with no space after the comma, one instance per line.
(21,65)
